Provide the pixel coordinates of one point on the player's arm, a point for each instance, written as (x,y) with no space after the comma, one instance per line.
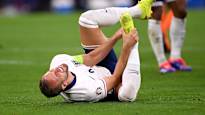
(102,51)
(115,79)
(129,40)
(99,53)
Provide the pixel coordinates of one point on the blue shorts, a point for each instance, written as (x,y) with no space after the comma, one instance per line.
(108,62)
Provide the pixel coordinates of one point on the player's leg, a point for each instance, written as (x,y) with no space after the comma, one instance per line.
(177,34)
(91,21)
(156,38)
(131,78)
(155,33)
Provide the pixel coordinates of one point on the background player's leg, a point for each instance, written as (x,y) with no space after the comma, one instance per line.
(177,30)
(156,38)
(155,34)
(177,34)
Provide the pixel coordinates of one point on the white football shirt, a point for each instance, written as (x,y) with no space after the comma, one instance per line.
(89,84)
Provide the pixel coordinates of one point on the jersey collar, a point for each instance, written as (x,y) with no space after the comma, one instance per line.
(72,83)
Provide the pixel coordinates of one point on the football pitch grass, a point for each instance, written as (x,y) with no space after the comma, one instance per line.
(28,43)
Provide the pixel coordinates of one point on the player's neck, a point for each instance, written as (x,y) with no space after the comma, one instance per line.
(70,81)
(70,78)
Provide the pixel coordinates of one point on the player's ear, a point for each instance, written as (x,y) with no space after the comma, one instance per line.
(64,84)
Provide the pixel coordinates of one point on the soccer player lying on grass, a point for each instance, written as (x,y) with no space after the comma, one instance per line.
(97,74)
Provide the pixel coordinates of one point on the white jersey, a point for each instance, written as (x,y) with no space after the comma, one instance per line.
(89,84)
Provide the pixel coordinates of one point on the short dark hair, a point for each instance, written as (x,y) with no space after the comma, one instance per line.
(48,91)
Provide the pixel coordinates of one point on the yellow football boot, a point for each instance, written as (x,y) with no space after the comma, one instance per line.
(126,22)
(145,6)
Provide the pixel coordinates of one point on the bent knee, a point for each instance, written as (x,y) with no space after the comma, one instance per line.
(86,14)
(87,20)
(180,12)
(126,98)
(127,95)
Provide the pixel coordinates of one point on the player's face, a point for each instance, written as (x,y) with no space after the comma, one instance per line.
(61,72)
(57,75)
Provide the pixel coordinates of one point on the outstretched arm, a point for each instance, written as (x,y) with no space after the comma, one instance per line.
(102,51)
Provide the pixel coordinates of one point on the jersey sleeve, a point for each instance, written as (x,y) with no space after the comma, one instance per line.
(78,58)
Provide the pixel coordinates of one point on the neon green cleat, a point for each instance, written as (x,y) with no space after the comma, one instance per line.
(145,6)
(126,22)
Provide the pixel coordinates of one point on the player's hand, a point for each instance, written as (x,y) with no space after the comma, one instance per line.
(118,34)
(130,39)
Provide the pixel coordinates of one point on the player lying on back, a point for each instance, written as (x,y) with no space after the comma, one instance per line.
(97,74)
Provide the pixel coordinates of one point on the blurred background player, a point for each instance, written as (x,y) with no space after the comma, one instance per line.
(177,34)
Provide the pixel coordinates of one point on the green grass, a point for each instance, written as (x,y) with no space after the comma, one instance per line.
(28,43)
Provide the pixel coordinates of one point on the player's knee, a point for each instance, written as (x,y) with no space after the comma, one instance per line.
(183,14)
(180,12)
(126,98)
(86,20)
(86,14)
(127,94)
(157,13)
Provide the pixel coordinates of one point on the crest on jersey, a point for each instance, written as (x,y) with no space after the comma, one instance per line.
(99,91)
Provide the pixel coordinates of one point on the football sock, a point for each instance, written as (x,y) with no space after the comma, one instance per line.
(155,37)
(177,33)
(106,17)
(131,78)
